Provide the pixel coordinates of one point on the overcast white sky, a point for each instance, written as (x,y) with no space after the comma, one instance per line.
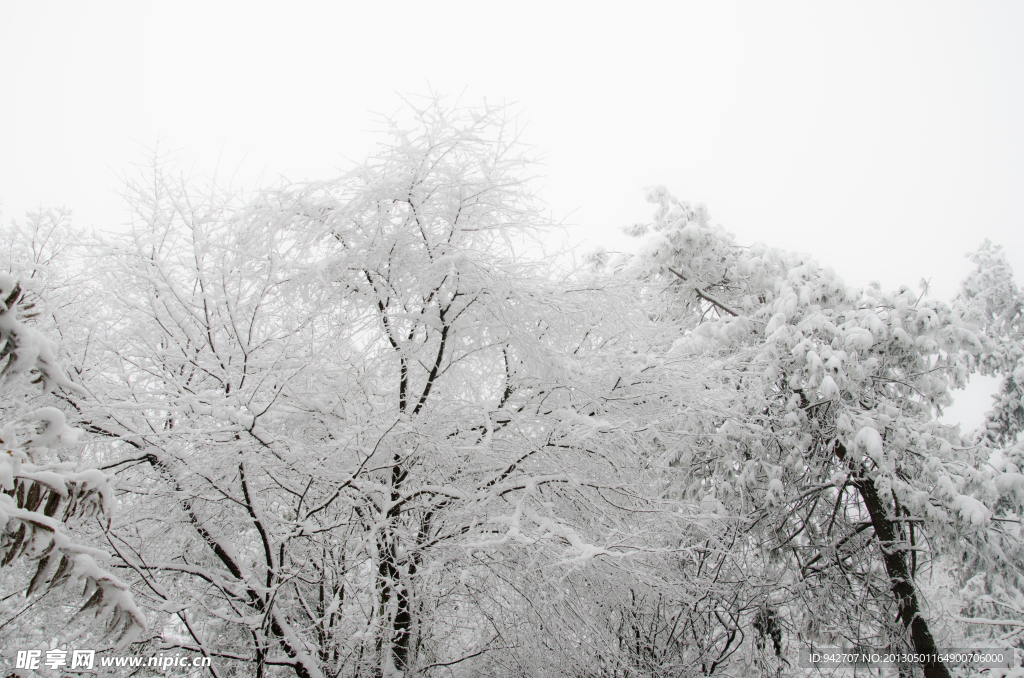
(884,138)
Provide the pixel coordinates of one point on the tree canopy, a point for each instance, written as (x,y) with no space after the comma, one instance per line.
(354,428)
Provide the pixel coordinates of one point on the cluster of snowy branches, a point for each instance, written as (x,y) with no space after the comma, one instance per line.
(40,494)
(349,429)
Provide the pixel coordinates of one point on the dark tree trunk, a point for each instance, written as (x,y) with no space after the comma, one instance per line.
(899,573)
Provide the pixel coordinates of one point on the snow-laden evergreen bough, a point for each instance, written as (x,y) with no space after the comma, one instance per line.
(39,494)
(820,434)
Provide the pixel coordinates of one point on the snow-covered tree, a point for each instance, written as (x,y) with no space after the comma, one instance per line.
(40,494)
(822,435)
(997,305)
(357,433)
(359,428)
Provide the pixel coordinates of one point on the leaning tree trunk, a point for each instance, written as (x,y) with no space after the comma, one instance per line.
(899,573)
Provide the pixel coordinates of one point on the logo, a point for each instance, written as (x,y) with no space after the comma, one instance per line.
(55,659)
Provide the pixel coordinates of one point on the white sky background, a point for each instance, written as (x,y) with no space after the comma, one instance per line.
(884,138)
